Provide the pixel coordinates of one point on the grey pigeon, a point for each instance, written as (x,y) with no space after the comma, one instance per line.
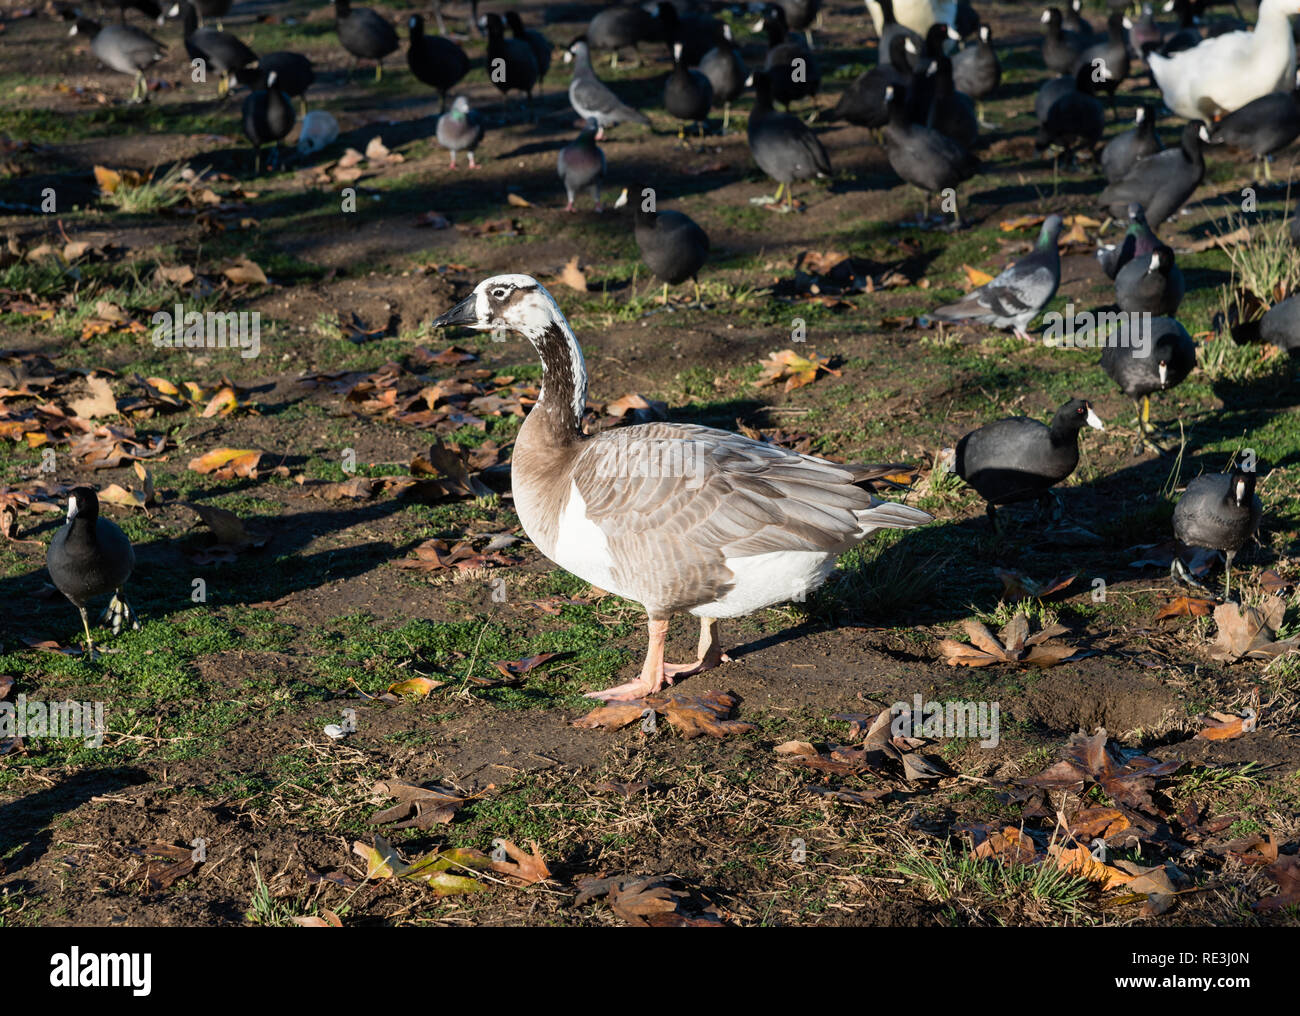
(1139,240)
(1161,183)
(1016,296)
(591,98)
(581,164)
(460,130)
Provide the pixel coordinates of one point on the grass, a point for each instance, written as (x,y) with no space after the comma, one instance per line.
(153,195)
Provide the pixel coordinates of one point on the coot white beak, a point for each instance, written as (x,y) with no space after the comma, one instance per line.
(73,507)
(757,26)
(1047,16)
(622,199)
(1164,374)
(1094,421)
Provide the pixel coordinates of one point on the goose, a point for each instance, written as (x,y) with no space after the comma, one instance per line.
(1262,126)
(510,63)
(1224,73)
(268,118)
(1127,147)
(219,50)
(620,26)
(1218,511)
(790,65)
(726,71)
(915,15)
(1019,459)
(460,130)
(673,516)
(1138,241)
(293,74)
(364,34)
(1162,362)
(436,61)
(672,244)
(537,42)
(123,48)
(1018,293)
(688,94)
(976,70)
(922,156)
(591,98)
(581,164)
(1280,325)
(783,146)
(1150,284)
(88,557)
(1163,182)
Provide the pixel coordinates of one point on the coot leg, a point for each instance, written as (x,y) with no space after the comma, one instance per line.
(119,613)
(1227,574)
(91,654)
(992,513)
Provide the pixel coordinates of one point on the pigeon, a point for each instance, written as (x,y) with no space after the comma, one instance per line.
(1016,296)
(581,164)
(1161,183)
(591,98)
(460,130)
(1138,240)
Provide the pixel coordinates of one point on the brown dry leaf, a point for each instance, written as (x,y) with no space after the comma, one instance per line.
(1248,634)
(327,919)
(1090,824)
(696,715)
(650,902)
(166,864)
(245,272)
(418,807)
(177,275)
(6,685)
(517,200)
(820,262)
(797,369)
(527,868)
(377,150)
(110,180)
(1184,606)
(1237,236)
(1013,644)
(118,495)
(572,276)
(415,688)
(614,717)
(1021,222)
(146,478)
(1225,726)
(226,525)
(436,220)
(1079,861)
(239,461)
(975,277)
(1126,775)
(1286,872)
(225,402)
(99,402)
(516,668)
(1019,586)
(1010,845)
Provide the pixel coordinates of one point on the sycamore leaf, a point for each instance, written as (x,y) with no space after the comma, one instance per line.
(526,867)
(797,369)
(241,460)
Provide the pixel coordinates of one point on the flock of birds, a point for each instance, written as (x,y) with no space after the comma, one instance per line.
(751,524)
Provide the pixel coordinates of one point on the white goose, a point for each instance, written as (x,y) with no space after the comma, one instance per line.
(1225,72)
(673,516)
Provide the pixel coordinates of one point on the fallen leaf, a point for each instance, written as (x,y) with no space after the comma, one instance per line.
(99,402)
(1225,726)
(241,461)
(797,369)
(1248,634)
(418,807)
(1184,606)
(245,272)
(415,688)
(975,277)
(528,868)
(515,668)
(572,276)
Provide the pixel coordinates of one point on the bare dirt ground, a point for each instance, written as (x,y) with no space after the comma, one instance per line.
(216,708)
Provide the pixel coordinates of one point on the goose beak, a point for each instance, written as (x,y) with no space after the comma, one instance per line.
(1094,421)
(464,313)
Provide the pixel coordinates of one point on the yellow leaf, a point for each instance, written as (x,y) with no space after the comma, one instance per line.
(976,277)
(219,457)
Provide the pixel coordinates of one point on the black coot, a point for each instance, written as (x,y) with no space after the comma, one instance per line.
(537,42)
(790,64)
(619,26)
(268,119)
(219,50)
(784,147)
(436,61)
(293,74)
(123,48)
(1019,459)
(1218,511)
(1262,126)
(1061,49)
(1151,284)
(89,557)
(1108,61)
(1069,115)
(1164,357)
(924,157)
(688,94)
(1127,147)
(1138,240)
(1280,325)
(672,244)
(364,34)
(726,71)
(510,63)
(1161,183)
(976,69)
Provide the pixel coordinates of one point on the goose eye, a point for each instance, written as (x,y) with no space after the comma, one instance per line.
(500,293)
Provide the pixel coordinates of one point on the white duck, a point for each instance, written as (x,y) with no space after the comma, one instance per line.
(671,515)
(918,15)
(1227,71)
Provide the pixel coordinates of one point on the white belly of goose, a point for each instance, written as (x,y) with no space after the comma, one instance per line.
(582,548)
(763,580)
